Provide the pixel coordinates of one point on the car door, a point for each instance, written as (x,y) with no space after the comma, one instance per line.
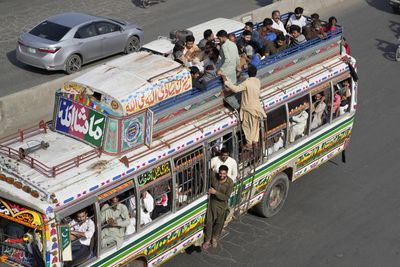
(88,42)
(112,37)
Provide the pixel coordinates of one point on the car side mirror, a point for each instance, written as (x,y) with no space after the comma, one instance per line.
(121,29)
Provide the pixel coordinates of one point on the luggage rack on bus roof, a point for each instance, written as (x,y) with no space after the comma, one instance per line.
(49,171)
(272,68)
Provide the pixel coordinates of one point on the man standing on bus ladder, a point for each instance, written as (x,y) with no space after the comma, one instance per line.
(251,110)
(220,191)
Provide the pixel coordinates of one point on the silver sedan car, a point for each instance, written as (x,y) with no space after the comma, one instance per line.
(66,41)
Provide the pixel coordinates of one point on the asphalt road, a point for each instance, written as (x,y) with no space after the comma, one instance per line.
(340,214)
(17,16)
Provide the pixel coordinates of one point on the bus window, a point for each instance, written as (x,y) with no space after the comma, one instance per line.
(190,177)
(276,130)
(342,98)
(321,108)
(117,215)
(83,235)
(299,113)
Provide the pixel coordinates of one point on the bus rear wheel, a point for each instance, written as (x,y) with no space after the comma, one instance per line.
(274,197)
(135,263)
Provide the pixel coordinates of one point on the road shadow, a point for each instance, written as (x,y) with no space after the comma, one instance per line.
(12,58)
(138,3)
(388,49)
(266,2)
(382,5)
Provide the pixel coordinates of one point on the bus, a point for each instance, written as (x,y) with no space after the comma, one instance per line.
(127,155)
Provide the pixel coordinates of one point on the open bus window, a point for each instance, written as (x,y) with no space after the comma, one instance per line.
(342,98)
(190,177)
(321,108)
(299,112)
(116,219)
(82,235)
(276,130)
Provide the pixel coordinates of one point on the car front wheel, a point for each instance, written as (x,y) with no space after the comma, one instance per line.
(73,64)
(132,45)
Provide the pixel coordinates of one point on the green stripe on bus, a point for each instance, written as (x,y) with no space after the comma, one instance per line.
(146,238)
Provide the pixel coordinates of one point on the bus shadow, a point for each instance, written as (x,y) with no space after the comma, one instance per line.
(380,5)
(388,49)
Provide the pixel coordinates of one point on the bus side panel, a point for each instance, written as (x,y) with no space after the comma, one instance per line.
(303,159)
(165,241)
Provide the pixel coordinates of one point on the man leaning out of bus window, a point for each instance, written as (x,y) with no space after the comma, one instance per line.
(82,231)
(220,191)
(115,218)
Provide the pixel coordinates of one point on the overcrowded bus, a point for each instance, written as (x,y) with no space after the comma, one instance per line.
(133,137)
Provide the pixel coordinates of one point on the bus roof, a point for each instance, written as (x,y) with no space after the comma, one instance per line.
(129,77)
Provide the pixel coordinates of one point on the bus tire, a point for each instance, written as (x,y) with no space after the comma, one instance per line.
(274,197)
(136,263)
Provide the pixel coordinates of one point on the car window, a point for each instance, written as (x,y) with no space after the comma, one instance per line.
(50,31)
(104,27)
(86,31)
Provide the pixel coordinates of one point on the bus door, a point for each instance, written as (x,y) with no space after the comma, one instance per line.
(248,160)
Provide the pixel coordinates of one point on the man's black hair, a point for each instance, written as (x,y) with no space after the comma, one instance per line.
(298,10)
(223,168)
(267,22)
(224,150)
(190,38)
(207,33)
(194,70)
(252,71)
(295,28)
(222,33)
(249,24)
(280,37)
(246,32)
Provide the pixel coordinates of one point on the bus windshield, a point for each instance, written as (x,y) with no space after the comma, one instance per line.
(21,238)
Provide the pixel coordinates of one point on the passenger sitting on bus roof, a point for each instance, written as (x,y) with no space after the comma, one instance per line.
(297,18)
(220,192)
(196,75)
(211,57)
(298,125)
(277,46)
(297,37)
(331,26)
(243,61)
(82,231)
(258,57)
(251,110)
(209,74)
(191,51)
(246,41)
(229,57)
(314,30)
(208,36)
(177,53)
(225,159)
(277,23)
(275,143)
(318,107)
(254,34)
(267,32)
(114,217)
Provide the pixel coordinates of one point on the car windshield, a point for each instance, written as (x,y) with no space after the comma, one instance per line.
(50,31)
